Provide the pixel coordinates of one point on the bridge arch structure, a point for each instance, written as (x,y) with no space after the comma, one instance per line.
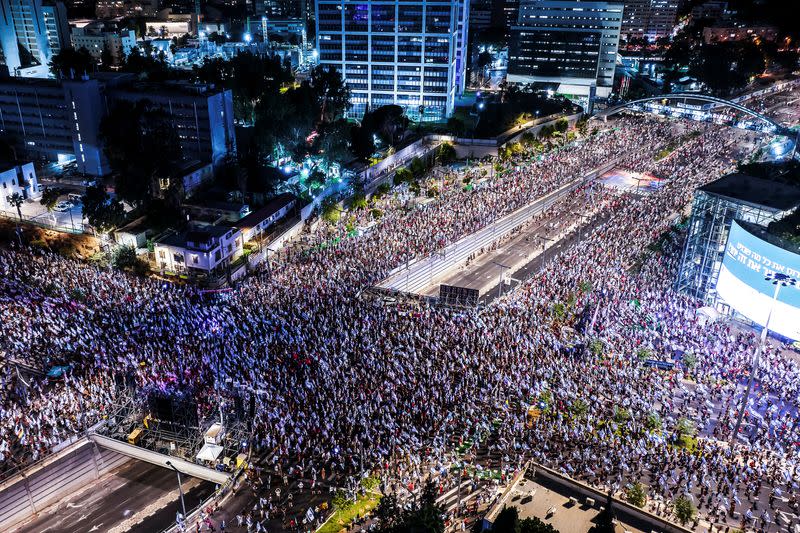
(657,104)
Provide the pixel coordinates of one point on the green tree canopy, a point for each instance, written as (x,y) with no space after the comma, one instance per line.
(71,63)
(103,212)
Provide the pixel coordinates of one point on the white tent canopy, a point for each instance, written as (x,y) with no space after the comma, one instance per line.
(209,452)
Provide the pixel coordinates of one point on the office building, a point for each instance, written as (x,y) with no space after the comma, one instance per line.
(56,26)
(97,36)
(201,114)
(110,9)
(649,19)
(59,121)
(411,54)
(569,46)
(480,15)
(505,14)
(54,121)
(29,31)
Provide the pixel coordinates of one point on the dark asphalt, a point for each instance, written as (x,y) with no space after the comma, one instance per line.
(139,497)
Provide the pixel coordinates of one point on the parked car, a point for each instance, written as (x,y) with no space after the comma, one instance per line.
(63,206)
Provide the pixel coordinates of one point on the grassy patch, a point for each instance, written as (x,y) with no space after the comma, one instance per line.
(342,518)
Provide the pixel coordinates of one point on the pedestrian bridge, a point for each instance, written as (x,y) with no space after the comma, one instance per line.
(183,466)
(702,108)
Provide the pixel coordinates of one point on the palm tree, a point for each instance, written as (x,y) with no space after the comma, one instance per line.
(16,199)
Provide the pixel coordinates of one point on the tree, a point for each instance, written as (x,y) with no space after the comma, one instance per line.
(727,66)
(535,525)
(507,520)
(362,140)
(106,57)
(636,494)
(417,167)
(124,257)
(579,407)
(131,131)
(331,212)
(147,66)
(103,212)
(70,63)
(332,143)
(16,199)
(50,198)
(424,516)
(248,76)
(456,126)
(403,175)
(446,153)
(331,93)
(652,422)
(684,509)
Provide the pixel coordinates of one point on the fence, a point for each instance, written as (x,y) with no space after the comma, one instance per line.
(63,222)
(45,483)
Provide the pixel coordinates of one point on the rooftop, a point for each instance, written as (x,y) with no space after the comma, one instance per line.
(195,235)
(271,207)
(761,192)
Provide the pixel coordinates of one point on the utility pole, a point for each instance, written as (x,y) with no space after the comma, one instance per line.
(544,240)
(779,280)
(180,487)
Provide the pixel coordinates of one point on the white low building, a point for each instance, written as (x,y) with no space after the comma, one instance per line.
(260,220)
(18,178)
(199,249)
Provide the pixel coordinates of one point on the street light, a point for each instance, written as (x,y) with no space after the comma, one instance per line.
(580,228)
(503,268)
(779,280)
(180,486)
(544,248)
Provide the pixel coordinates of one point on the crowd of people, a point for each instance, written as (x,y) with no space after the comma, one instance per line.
(344,385)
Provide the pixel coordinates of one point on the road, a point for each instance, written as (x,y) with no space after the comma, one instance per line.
(419,275)
(137,498)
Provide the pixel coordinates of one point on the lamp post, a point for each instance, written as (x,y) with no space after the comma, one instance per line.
(779,280)
(544,248)
(503,268)
(581,216)
(180,486)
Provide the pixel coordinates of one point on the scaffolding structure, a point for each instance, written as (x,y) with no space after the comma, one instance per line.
(709,226)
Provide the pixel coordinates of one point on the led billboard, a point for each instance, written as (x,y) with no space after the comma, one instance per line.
(741,284)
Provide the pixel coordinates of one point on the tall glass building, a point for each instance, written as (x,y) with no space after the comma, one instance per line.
(411,53)
(570,45)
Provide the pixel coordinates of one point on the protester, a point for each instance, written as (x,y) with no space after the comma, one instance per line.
(345,386)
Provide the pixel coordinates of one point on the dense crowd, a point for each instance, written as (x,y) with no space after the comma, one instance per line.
(344,385)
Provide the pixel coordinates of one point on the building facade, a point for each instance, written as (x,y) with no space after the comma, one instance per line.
(96,38)
(54,121)
(569,45)
(17,178)
(29,33)
(411,54)
(200,249)
(59,121)
(649,19)
(202,115)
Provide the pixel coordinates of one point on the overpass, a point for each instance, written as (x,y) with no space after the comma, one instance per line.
(188,468)
(681,107)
